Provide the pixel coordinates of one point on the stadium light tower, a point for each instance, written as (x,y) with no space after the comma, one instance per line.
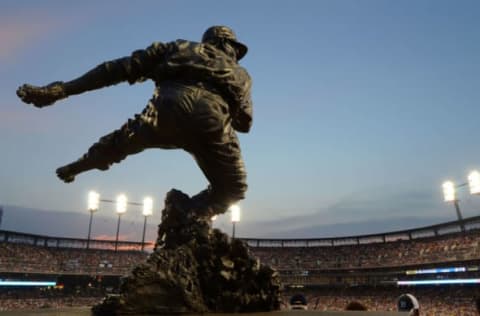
(147,211)
(121,209)
(235,212)
(93,202)
(449,195)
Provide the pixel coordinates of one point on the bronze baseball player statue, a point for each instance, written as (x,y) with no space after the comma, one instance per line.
(202,96)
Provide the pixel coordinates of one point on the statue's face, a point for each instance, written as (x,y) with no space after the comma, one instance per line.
(225,46)
(231,50)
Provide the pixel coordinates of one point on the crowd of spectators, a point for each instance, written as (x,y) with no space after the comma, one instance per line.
(16,257)
(34,259)
(37,298)
(437,301)
(454,300)
(10,304)
(448,248)
(434,301)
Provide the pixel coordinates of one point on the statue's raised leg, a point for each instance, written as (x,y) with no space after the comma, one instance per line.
(133,137)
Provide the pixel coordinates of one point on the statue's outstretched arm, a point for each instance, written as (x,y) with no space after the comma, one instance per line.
(134,68)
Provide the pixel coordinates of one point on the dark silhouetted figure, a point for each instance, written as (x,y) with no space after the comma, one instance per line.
(355,306)
(202,96)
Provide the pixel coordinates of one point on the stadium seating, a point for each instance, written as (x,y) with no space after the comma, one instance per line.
(329,273)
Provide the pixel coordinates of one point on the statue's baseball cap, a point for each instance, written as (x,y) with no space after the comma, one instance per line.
(224,32)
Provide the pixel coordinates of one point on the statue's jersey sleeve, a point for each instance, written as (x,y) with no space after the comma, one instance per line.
(142,63)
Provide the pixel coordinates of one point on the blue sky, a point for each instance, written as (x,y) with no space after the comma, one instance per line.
(361,108)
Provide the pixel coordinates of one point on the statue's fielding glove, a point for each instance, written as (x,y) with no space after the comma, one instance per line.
(42,96)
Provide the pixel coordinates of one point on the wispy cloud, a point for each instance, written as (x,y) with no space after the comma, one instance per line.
(357,213)
(70,224)
(122,237)
(19,121)
(381,203)
(25,26)
(20,31)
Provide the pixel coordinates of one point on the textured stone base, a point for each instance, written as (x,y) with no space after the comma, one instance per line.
(194,269)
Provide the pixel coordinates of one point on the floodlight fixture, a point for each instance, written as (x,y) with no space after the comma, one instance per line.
(121,204)
(93,201)
(474,182)
(147,206)
(235,209)
(448,191)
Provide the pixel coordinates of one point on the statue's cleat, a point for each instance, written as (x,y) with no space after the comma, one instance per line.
(65,174)
(42,96)
(23,93)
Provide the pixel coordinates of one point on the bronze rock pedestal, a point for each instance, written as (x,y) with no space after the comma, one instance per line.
(194,269)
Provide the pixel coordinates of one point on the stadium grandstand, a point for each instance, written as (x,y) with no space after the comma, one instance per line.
(438,264)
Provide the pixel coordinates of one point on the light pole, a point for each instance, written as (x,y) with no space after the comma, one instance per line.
(121,209)
(449,192)
(235,209)
(147,211)
(449,195)
(93,201)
